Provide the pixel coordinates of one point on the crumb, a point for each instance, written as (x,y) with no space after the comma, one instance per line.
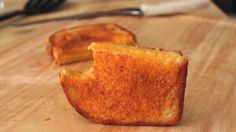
(47,119)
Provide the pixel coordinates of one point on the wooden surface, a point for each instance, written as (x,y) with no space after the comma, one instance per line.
(31,98)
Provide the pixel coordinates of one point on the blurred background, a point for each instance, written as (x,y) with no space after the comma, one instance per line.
(228,6)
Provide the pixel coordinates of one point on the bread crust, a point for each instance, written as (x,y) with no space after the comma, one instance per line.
(128,91)
(70,45)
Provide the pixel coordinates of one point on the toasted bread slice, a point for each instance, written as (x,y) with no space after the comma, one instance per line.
(71,45)
(129,86)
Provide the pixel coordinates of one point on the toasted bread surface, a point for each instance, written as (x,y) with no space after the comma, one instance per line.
(129,86)
(71,45)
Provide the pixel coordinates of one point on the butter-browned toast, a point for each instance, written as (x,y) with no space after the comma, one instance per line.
(71,45)
(129,86)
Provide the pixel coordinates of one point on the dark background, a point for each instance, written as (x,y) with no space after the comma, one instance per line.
(228,6)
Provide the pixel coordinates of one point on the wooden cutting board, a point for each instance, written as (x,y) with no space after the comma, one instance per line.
(31,98)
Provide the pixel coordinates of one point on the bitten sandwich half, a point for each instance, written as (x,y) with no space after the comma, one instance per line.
(71,45)
(129,86)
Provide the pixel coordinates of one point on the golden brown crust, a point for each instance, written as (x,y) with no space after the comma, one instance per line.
(129,90)
(70,45)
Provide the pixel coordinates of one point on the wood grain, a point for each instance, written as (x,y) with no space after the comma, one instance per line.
(31,98)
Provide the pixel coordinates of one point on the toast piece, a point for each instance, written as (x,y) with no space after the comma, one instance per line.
(129,86)
(71,45)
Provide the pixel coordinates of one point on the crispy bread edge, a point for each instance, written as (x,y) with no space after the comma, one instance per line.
(65,76)
(50,45)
